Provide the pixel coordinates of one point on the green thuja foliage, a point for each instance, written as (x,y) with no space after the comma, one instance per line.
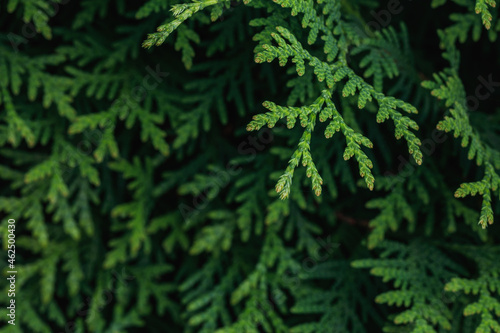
(249,166)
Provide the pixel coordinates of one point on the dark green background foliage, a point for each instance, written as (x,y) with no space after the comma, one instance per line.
(175,181)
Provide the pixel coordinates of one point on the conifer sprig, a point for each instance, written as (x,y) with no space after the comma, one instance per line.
(406,266)
(447,86)
(482,8)
(290,47)
(485,285)
(181,12)
(332,72)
